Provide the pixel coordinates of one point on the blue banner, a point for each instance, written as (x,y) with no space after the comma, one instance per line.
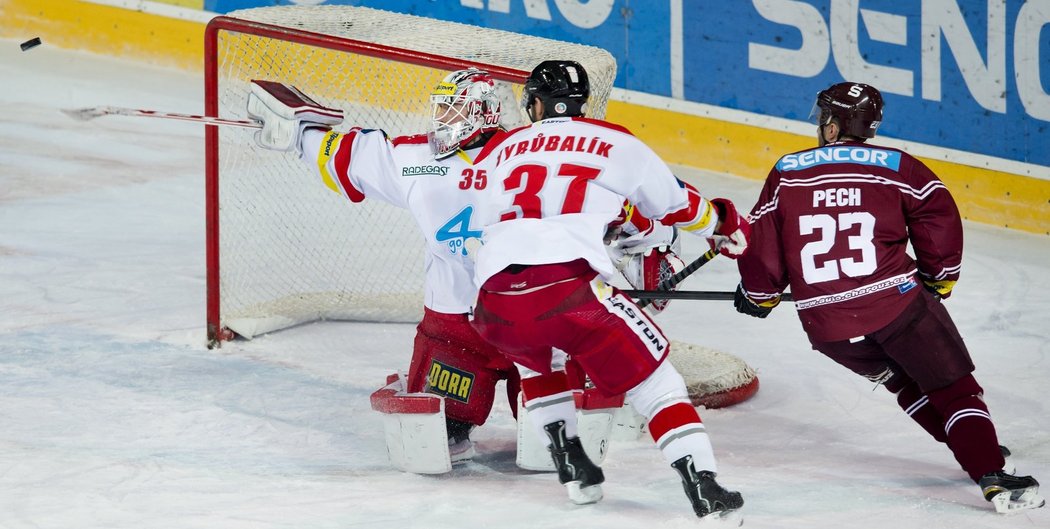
(971,75)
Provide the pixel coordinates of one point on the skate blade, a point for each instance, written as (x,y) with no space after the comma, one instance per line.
(583,495)
(1005,503)
(731,518)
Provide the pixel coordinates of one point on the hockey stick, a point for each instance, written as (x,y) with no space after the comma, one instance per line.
(85,114)
(664,288)
(704,295)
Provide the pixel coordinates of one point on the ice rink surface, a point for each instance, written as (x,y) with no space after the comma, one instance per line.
(113,414)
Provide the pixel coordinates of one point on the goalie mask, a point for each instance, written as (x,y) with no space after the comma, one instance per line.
(464,105)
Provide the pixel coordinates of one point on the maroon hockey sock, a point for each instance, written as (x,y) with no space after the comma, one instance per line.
(971,434)
(918,407)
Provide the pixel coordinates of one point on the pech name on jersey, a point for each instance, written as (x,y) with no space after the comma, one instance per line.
(835,197)
(840,154)
(555,142)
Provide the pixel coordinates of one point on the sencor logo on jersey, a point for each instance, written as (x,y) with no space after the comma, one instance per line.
(450,382)
(840,154)
(424,170)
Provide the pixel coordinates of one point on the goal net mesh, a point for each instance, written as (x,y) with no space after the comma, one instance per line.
(283,249)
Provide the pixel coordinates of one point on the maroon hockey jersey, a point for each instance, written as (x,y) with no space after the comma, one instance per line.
(834,223)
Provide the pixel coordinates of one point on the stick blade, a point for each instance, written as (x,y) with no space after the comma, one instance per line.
(85,114)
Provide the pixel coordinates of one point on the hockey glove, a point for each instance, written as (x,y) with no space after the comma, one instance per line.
(647,271)
(940,289)
(733,231)
(746,305)
(285,113)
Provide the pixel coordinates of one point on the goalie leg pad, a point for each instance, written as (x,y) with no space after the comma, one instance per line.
(414,428)
(451,360)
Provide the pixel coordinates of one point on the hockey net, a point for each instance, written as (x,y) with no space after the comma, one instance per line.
(282,249)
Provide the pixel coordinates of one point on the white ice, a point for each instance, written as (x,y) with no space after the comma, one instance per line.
(113,414)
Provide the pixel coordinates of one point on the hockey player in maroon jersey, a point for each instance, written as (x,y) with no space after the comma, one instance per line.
(833,223)
(543,272)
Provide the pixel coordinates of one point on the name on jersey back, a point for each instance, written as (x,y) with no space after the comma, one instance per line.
(555,142)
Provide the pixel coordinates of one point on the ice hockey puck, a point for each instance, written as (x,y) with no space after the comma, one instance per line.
(31,43)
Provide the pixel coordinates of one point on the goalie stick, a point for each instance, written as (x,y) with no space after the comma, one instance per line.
(89,113)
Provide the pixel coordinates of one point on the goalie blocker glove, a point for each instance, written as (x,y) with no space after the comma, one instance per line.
(285,113)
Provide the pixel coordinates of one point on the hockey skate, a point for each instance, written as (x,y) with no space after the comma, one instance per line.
(460,447)
(1008,464)
(709,499)
(581,477)
(1010,494)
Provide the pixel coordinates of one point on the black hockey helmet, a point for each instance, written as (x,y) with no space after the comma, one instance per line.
(857,107)
(561,85)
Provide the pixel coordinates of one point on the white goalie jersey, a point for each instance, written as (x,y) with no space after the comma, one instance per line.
(402,171)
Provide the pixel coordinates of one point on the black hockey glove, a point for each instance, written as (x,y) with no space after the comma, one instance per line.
(746,305)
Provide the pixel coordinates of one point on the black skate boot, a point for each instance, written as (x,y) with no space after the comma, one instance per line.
(581,477)
(460,447)
(1010,493)
(707,496)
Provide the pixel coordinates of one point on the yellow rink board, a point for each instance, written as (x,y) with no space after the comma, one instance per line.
(984,195)
(108,30)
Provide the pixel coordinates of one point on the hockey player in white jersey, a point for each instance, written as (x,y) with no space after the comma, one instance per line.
(544,275)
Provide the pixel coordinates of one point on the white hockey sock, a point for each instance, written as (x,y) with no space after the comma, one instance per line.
(548,399)
(673,422)
(553,408)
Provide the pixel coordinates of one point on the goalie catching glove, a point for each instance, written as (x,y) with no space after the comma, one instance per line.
(285,113)
(648,258)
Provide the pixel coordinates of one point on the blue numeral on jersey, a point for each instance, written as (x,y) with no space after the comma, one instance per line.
(457,230)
